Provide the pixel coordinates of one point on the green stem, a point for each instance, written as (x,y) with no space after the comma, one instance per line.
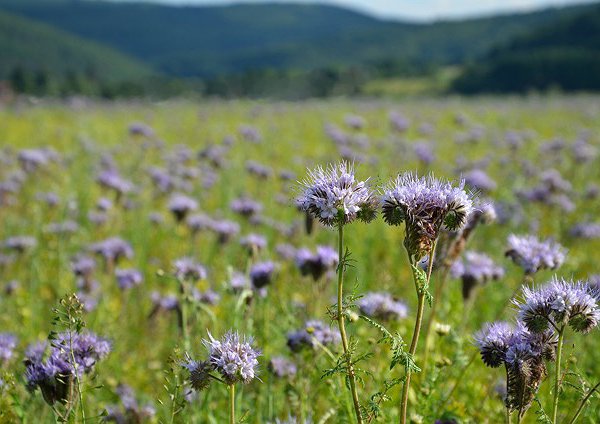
(231,404)
(417,330)
(340,317)
(508,416)
(561,335)
(583,401)
(184,323)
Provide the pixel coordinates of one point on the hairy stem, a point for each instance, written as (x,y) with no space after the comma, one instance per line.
(418,323)
(583,401)
(340,317)
(508,416)
(231,404)
(561,335)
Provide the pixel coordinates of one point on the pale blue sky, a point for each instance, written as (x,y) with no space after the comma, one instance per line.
(414,9)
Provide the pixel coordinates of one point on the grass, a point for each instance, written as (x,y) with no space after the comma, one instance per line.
(293,138)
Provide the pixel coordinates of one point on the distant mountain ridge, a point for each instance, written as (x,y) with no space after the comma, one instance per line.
(564,55)
(212,40)
(36,46)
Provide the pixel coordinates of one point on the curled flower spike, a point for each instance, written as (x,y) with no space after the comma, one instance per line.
(557,303)
(425,205)
(334,197)
(199,373)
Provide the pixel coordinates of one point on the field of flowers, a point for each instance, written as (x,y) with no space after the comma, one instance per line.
(184,262)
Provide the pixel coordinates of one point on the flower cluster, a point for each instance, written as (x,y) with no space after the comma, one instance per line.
(558,303)
(425,205)
(318,263)
(383,306)
(523,353)
(334,197)
(70,354)
(533,255)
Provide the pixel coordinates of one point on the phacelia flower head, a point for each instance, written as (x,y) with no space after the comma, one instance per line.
(8,343)
(334,197)
(112,249)
(70,354)
(128,278)
(425,205)
(475,269)
(382,305)
(253,242)
(313,333)
(246,206)
(180,205)
(261,274)
(282,367)
(558,303)
(233,357)
(533,255)
(318,263)
(199,373)
(189,269)
(523,354)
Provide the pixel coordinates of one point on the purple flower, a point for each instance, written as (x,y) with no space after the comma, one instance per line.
(424,152)
(189,269)
(19,243)
(128,278)
(180,205)
(313,333)
(260,171)
(261,274)
(560,302)
(239,281)
(533,255)
(83,266)
(233,357)
(70,354)
(253,242)
(111,179)
(113,249)
(318,263)
(334,197)
(8,343)
(425,205)
(166,303)
(479,180)
(383,306)
(225,230)
(585,230)
(282,367)
(475,268)
(199,373)
(199,222)
(246,206)
(493,342)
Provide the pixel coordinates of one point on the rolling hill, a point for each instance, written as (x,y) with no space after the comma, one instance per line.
(216,40)
(564,55)
(36,46)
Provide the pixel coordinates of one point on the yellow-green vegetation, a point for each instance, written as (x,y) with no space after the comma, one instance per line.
(508,138)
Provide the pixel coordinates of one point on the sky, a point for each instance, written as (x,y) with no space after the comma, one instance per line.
(412,9)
